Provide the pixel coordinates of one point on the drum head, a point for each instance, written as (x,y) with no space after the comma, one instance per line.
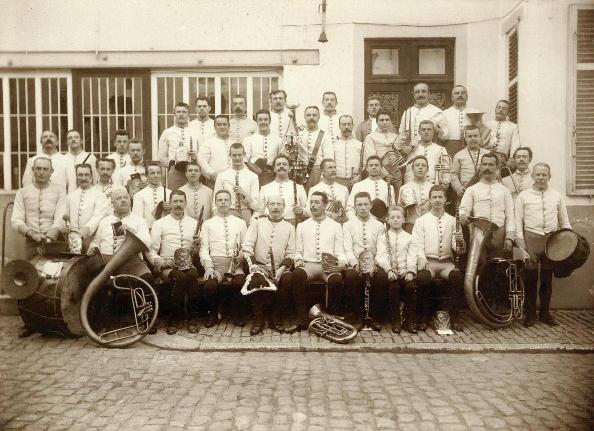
(561,245)
(20,279)
(73,283)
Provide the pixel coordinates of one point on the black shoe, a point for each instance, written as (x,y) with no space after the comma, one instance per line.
(212,320)
(411,328)
(457,326)
(239,321)
(172,327)
(396,326)
(529,321)
(256,329)
(153,329)
(193,327)
(422,326)
(25,332)
(548,319)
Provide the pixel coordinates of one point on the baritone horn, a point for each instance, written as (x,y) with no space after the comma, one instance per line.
(330,327)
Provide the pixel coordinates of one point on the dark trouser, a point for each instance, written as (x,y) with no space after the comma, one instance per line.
(545,292)
(402,290)
(183,284)
(300,282)
(455,297)
(354,284)
(215,293)
(263,300)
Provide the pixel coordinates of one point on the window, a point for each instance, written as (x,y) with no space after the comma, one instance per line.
(512,73)
(30,103)
(581,180)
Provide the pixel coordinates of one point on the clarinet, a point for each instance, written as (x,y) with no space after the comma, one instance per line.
(295,201)
(272,265)
(237,196)
(389,247)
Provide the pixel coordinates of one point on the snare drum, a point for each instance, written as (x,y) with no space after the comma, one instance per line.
(567,250)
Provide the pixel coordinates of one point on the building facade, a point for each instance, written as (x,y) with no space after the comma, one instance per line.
(100,66)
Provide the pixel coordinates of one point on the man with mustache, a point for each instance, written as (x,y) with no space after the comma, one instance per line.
(49,149)
(136,165)
(145,201)
(336,193)
(262,147)
(465,163)
(422,110)
(347,153)
(85,206)
(457,119)
(374,185)
(294,204)
(203,125)
(329,118)
(120,140)
(491,200)
(370,125)
(198,195)
(169,234)
(220,243)
(75,156)
(213,155)
(105,168)
(270,244)
(241,183)
(520,179)
(432,152)
(178,135)
(279,116)
(505,135)
(540,211)
(240,127)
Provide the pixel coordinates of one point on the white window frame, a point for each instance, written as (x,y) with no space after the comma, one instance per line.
(217,82)
(572,70)
(5,76)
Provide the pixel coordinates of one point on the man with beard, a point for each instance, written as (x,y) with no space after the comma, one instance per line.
(316,235)
(279,116)
(220,254)
(85,207)
(105,168)
(432,152)
(337,194)
(49,149)
(293,195)
(270,244)
(136,165)
(75,156)
(169,234)
(370,125)
(147,200)
(172,138)
(241,183)
(540,211)
(198,195)
(466,162)
(520,179)
(457,120)
(213,155)
(121,157)
(347,152)
(414,195)
(262,147)
(378,189)
(240,127)
(505,135)
(420,111)
(203,125)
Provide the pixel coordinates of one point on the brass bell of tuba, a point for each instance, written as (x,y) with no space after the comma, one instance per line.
(330,327)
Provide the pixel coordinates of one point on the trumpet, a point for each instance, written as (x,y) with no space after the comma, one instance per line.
(235,259)
(443,173)
(182,257)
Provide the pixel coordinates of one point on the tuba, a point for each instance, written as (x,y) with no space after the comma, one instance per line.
(330,327)
(145,305)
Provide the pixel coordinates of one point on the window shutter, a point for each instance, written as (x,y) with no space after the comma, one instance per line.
(512,74)
(513,55)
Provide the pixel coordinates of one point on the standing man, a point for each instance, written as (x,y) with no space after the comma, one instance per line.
(414,195)
(146,200)
(198,195)
(120,141)
(370,125)
(312,144)
(169,234)
(378,189)
(241,183)
(337,194)
(280,117)
(293,195)
(262,148)
(136,165)
(433,153)
(456,117)
(270,244)
(520,179)
(220,254)
(316,235)
(105,169)
(177,144)
(505,135)
(329,118)
(85,206)
(240,127)
(213,155)
(38,207)
(384,139)
(49,149)
(423,110)
(465,163)
(361,234)
(347,153)
(540,211)
(203,125)
(76,156)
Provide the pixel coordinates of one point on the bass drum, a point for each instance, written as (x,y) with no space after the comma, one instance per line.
(567,250)
(54,307)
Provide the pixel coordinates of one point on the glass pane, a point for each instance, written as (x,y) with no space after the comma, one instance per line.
(384,61)
(225,88)
(432,61)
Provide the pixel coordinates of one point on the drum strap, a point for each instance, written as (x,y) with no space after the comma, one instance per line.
(316,148)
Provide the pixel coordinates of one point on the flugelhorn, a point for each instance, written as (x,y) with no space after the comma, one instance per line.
(330,327)
(235,259)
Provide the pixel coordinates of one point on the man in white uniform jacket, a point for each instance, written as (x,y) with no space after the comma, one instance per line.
(423,110)
(147,199)
(338,194)
(49,149)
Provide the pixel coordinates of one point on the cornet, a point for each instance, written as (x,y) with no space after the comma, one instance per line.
(235,259)
(443,174)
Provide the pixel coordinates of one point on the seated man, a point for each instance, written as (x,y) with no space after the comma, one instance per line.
(360,234)
(397,258)
(316,235)
(435,256)
(270,244)
(220,253)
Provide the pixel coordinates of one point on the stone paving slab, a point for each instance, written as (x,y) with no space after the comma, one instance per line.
(574,334)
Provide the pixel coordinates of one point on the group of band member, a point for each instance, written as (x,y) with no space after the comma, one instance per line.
(235,220)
